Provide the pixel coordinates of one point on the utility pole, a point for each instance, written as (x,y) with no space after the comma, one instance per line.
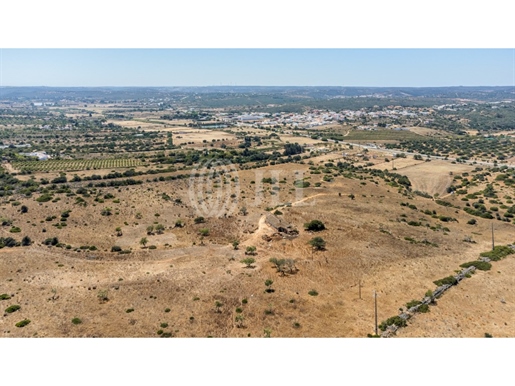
(375,308)
(493,244)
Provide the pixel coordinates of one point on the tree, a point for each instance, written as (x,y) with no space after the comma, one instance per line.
(150,229)
(26,241)
(218,305)
(179,223)
(143,241)
(199,220)
(317,243)
(268,283)
(106,212)
(24,209)
(250,250)
(118,231)
(160,229)
(204,232)
(314,226)
(248,261)
(244,211)
(235,244)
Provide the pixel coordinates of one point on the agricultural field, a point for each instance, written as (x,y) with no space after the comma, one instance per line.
(75,165)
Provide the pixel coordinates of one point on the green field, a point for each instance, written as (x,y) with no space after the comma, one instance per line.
(75,165)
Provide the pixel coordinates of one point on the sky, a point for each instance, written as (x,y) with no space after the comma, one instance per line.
(260,67)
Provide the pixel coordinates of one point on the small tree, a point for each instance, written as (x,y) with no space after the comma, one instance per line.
(24,209)
(317,243)
(118,231)
(26,241)
(204,232)
(250,250)
(218,305)
(314,226)
(150,229)
(235,244)
(244,211)
(179,223)
(160,229)
(143,241)
(199,220)
(248,262)
(268,283)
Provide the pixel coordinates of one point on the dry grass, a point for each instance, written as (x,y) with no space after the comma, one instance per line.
(188,274)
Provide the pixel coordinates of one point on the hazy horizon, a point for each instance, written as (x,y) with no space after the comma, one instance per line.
(257,67)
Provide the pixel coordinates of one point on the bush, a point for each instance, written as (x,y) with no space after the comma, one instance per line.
(51,241)
(313,292)
(394,320)
(423,308)
(116,248)
(314,226)
(76,321)
(481,265)
(318,243)
(4,297)
(250,250)
(446,280)
(22,323)
(248,261)
(413,303)
(472,221)
(499,252)
(302,184)
(199,220)
(129,310)
(12,308)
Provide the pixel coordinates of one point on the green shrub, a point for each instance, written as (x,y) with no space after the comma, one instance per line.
(395,320)
(499,252)
(12,308)
(76,321)
(22,323)
(313,292)
(164,325)
(446,280)
(314,226)
(423,308)
(481,265)
(129,310)
(4,297)
(413,303)
(199,220)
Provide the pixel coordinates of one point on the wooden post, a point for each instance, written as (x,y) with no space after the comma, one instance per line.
(493,244)
(375,308)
